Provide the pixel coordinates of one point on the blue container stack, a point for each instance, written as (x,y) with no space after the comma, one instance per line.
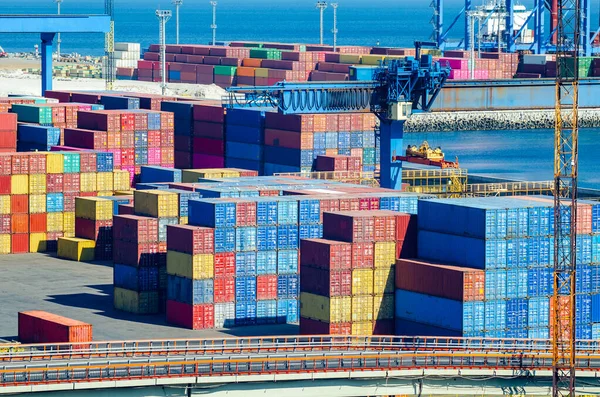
(155,173)
(511,239)
(244,139)
(31,137)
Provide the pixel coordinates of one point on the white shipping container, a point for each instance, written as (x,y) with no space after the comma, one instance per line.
(534,59)
(127,56)
(119,63)
(224,315)
(128,47)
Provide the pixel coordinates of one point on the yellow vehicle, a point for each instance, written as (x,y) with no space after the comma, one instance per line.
(425,151)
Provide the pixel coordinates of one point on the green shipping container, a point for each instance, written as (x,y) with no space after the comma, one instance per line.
(221,70)
(265,53)
(33,113)
(71,163)
(584,67)
(252,45)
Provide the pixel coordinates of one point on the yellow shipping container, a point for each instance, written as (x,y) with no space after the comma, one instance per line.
(76,249)
(362,308)
(54,163)
(104,181)
(136,302)
(191,176)
(383,280)
(55,221)
(230,174)
(19,184)
(183,220)
(37,203)
(372,59)
(5,244)
(123,192)
(261,72)
(37,242)
(107,193)
(156,203)
(121,180)
(337,309)
(87,181)
(93,208)
(362,281)
(352,59)
(5,204)
(196,267)
(385,254)
(69,224)
(362,328)
(37,183)
(383,307)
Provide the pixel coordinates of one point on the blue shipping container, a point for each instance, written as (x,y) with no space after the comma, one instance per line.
(245,288)
(245,238)
(245,264)
(155,173)
(309,211)
(245,312)
(211,213)
(288,311)
(105,161)
(431,310)
(287,262)
(266,312)
(495,316)
(288,286)
(224,239)
(266,238)
(246,151)
(287,237)
(287,211)
(136,279)
(192,292)
(266,262)
(55,202)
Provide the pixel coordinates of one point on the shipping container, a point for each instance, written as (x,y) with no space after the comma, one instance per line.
(44,327)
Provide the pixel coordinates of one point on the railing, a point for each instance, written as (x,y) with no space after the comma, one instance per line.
(520,363)
(277,344)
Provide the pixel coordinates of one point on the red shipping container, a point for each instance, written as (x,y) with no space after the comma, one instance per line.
(325,254)
(291,122)
(86,139)
(71,183)
(451,282)
(191,316)
(406,227)
(38,223)
(315,327)
(363,255)
(5,164)
(8,122)
(87,162)
(126,209)
(5,224)
(224,288)
(69,201)
(355,162)
(135,229)
(204,129)
(99,120)
(5,184)
(329,205)
(331,163)
(349,226)
(19,242)
(245,212)
(289,139)
(214,147)
(43,327)
(20,164)
(136,254)
(99,231)
(37,163)
(266,287)
(212,113)
(200,160)
(8,140)
(167,138)
(349,204)
(191,239)
(19,203)
(154,138)
(325,282)
(224,264)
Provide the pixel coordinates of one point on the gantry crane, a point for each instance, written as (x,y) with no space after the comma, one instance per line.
(568,47)
(395,89)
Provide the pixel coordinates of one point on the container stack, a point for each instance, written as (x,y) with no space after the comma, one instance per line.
(38,196)
(244,145)
(511,241)
(356,266)
(8,132)
(43,327)
(208,142)
(135,138)
(191,284)
(94,221)
(139,266)
(126,60)
(293,142)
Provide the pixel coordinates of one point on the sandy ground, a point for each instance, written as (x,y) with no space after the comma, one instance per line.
(14,81)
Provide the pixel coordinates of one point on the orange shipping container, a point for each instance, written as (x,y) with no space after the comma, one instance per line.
(20,223)
(563,317)
(252,63)
(245,71)
(42,327)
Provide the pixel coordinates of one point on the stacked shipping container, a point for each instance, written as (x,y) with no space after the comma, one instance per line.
(510,240)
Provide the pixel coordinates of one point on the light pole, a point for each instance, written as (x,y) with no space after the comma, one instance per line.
(334,30)
(163,16)
(177,4)
(58,36)
(321,5)
(214,22)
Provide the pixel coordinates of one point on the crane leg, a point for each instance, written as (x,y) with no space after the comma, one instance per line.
(47,39)
(391,134)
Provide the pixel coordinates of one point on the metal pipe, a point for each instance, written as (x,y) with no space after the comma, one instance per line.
(163,17)
(553,20)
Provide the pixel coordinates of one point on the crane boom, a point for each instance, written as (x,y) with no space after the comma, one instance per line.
(565,197)
(392,91)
